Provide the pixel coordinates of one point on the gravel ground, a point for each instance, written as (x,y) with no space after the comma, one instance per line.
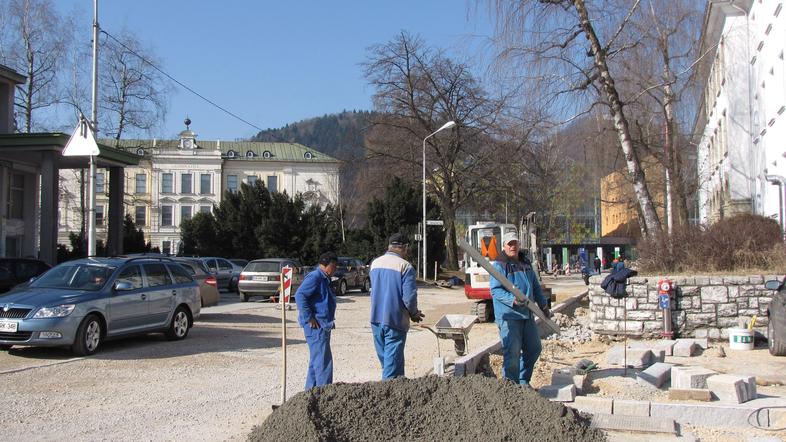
(215,385)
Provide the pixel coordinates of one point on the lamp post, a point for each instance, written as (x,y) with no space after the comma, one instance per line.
(447,125)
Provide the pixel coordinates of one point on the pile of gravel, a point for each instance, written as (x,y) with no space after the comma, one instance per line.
(472,408)
(573,328)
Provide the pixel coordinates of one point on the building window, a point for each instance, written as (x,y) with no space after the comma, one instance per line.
(166,247)
(99,182)
(185,213)
(166,215)
(204,183)
(99,215)
(205,209)
(166,183)
(272,183)
(185,183)
(16,196)
(232,183)
(251,180)
(140,215)
(141,183)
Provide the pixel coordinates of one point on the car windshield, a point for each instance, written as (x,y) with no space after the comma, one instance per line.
(75,276)
(263,266)
(344,262)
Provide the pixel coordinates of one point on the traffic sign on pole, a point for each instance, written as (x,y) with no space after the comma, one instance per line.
(286,278)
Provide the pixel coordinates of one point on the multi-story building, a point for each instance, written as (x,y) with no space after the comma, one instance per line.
(176,179)
(740,126)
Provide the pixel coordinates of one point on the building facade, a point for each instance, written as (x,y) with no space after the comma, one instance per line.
(176,179)
(740,126)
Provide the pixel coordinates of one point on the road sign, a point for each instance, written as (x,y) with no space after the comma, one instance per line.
(663,301)
(82,142)
(434,222)
(286,279)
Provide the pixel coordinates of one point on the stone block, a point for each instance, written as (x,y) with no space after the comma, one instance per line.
(702,280)
(708,308)
(690,377)
(756,280)
(689,290)
(667,345)
(703,343)
(594,404)
(569,376)
(640,315)
(685,349)
(631,408)
(631,304)
(690,394)
(696,320)
(558,393)
(727,309)
(636,357)
(735,280)
(731,388)
(702,414)
(655,376)
(714,294)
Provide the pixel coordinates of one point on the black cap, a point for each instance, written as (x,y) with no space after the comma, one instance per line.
(328,257)
(398,239)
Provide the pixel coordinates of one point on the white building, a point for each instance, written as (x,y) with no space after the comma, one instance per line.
(176,179)
(740,127)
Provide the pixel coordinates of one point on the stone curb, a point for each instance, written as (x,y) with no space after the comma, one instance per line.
(468,363)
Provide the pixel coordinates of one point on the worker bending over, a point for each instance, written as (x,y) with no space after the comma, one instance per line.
(517,329)
(394,302)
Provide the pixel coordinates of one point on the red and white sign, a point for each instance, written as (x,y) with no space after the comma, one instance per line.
(286,282)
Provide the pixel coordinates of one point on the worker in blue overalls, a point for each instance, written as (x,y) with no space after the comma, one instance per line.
(517,329)
(316,304)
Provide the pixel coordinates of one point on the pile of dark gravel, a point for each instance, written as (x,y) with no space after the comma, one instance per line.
(473,408)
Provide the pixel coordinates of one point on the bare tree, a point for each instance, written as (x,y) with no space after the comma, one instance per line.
(418,89)
(569,47)
(33,42)
(133,93)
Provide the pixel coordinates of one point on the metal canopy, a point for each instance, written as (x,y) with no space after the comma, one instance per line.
(28,148)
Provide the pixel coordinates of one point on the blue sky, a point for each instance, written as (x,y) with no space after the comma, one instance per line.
(277,62)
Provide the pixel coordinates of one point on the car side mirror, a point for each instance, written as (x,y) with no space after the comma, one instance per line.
(32,279)
(772,284)
(123,286)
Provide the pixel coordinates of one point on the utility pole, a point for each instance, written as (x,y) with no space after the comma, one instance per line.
(91,223)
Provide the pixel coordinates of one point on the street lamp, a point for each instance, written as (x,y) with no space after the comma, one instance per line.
(447,125)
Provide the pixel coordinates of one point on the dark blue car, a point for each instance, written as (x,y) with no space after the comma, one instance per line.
(80,303)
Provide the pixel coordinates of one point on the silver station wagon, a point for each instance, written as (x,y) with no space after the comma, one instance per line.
(81,303)
(262,277)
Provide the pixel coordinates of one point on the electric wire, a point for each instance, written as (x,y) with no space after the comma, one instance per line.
(178,82)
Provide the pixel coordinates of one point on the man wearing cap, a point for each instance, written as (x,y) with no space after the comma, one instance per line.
(316,304)
(517,330)
(394,302)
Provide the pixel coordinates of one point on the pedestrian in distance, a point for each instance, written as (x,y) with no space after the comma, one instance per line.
(316,304)
(619,264)
(596,263)
(394,303)
(521,345)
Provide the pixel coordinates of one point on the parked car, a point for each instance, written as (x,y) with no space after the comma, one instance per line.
(351,273)
(239,262)
(262,277)
(14,271)
(81,303)
(208,289)
(226,273)
(776,313)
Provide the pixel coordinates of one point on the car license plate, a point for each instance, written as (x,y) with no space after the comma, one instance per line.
(260,278)
(8,326)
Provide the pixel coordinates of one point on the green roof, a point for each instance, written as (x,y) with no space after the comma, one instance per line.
(275,151)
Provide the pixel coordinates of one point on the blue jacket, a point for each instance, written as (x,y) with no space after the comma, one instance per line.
(394,293)
(523,277)
(315,299)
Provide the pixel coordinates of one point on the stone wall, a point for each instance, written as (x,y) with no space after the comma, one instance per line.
(701,306)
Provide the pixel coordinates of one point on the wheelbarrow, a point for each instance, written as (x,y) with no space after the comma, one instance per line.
(455,327)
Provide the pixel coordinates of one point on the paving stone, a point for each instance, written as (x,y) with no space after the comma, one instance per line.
(655,376)
(558,393)
(728,388)
(636,358)
(690,394)
(631,408)
(704,414)
(594,404)
(634,423)
(690,377)
(701,342)
(685,349)
(568,376)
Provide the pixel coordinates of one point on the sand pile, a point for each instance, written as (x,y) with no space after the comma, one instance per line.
(473,408)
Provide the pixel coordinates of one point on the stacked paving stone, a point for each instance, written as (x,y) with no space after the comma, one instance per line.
(702,306)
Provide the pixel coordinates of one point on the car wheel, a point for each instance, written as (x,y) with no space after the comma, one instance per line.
(233,285)
(178,328)
(776,341)
(366,286)
(243,296)
(88,336)
(342,287)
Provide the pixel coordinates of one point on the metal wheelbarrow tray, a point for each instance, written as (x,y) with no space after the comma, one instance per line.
(455,327)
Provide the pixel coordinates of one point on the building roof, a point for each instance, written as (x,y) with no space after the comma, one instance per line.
(25,143)
(12,75)
(239,150)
